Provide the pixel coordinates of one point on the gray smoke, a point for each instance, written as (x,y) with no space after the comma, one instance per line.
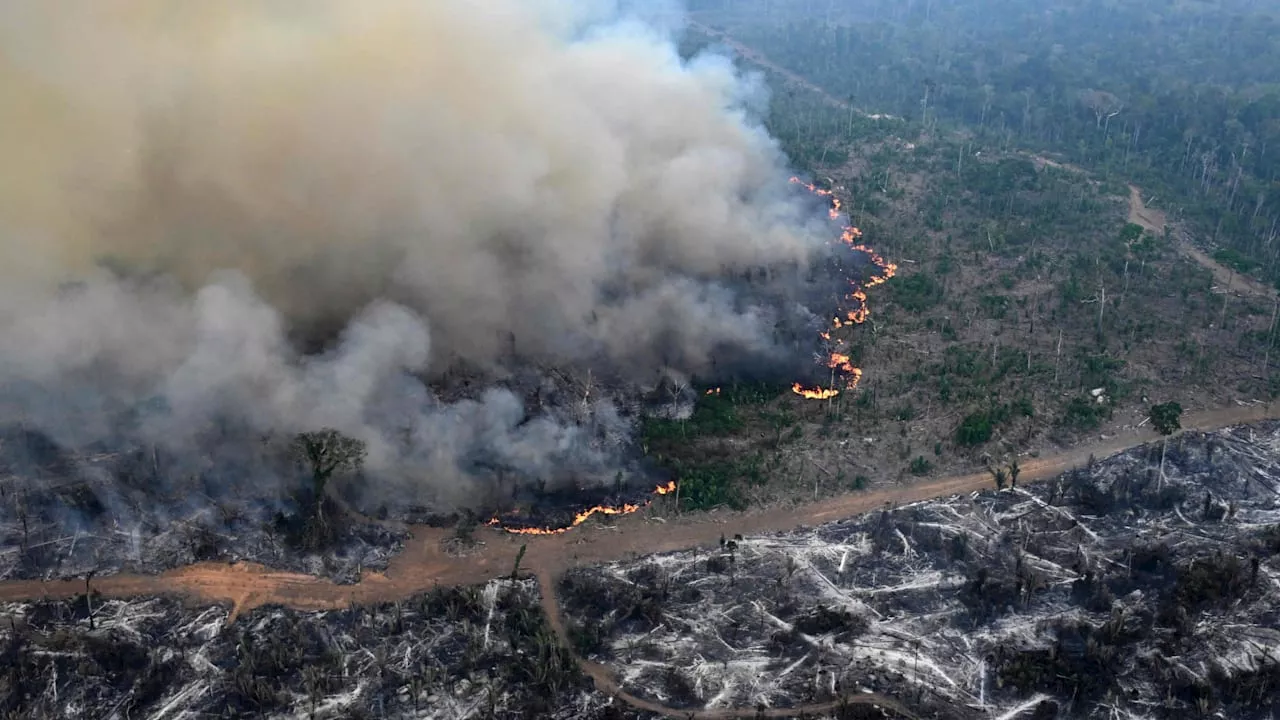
(192,193)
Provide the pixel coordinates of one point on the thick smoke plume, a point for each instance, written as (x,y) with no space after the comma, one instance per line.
(222,220)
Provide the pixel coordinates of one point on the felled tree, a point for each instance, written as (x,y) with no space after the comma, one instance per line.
(326,452)
(1166,418)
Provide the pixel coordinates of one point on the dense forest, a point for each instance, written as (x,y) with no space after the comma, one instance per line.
(1180,96)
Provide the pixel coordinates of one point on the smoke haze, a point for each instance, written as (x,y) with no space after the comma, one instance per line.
(192,193)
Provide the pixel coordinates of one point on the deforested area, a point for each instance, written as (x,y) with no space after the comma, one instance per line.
(332,304)
(468,652)
(72,514)
(445,258)
(1139,586)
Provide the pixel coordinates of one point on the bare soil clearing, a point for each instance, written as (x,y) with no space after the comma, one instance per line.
(1139,214)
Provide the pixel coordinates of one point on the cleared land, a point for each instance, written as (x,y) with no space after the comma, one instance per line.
(426,561)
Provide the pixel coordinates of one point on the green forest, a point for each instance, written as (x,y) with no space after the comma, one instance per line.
(1181,97)
(1071,192)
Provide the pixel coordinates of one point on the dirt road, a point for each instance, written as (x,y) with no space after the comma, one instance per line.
(1139,214)
(424,563)
(1223,276)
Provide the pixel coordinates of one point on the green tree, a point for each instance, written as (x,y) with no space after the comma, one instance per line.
(1000,476)
(1166,418)
(326,452)
(1014,470)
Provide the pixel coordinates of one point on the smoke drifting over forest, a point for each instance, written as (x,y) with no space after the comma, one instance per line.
(222,220)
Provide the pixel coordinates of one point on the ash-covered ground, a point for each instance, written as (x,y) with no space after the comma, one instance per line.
(471,652)
(1106,593)
(67,514)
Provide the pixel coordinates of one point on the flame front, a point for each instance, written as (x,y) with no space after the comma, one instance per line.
(854,310)
(814,393)
(582,516)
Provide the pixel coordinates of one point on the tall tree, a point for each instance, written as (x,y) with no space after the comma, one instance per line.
(1166,418)
(326,452)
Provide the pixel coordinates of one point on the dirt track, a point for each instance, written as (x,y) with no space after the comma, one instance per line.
(755,57)
(425,564)
(1155,221)
(1139,214)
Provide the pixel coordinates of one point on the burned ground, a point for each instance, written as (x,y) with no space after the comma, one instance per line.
(1108,592)
(451,653)
(68,514)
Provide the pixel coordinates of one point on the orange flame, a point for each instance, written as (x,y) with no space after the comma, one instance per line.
(713,391)
(582,516)
(834,212)
(857,311)
(814,393)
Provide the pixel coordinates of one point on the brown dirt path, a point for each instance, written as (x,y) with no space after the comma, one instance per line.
(424,563)
(1155,221)
(1139,214)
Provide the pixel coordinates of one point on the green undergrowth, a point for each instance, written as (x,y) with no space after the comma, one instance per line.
(724,444)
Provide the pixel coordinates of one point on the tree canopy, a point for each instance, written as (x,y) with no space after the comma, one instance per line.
(1166,417)
(327,451)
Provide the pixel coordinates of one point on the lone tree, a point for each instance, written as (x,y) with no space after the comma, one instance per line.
(1000,476)
(1166,419)
(326,452)
(1014,470)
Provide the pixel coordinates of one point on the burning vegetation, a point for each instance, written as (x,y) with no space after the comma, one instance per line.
(851,312)
(583,515)
(472,309)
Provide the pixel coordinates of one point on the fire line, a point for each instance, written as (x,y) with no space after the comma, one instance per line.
(853,310)
(582,516)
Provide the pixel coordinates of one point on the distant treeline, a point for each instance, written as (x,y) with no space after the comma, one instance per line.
(1182,97)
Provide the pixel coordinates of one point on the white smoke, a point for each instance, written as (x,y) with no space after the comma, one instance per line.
(443,181)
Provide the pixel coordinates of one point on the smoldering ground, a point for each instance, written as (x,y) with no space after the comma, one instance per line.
(224,222)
